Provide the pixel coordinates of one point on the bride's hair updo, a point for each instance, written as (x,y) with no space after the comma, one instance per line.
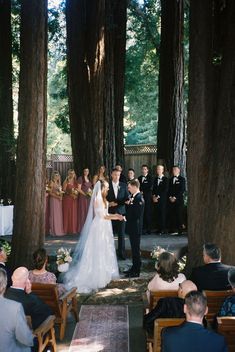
(104,189)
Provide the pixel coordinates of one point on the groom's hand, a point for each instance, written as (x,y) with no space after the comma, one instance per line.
(112,204)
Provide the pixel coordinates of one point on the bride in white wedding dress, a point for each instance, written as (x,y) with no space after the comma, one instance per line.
(94,262)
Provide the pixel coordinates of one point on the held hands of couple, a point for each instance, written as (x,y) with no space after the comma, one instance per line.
(120,217)
(113,204)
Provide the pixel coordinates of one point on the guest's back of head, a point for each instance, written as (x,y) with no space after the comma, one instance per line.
(20,277)
(39,258)
(211,253)
(195,305)
(185,287)
(167,266)
(231,278)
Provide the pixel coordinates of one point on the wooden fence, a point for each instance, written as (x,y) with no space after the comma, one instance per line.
(135,156)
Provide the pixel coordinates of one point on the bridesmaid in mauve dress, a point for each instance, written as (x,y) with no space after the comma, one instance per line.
(70,203)
(47,209)
(85,190)
(56,195)
(100,175)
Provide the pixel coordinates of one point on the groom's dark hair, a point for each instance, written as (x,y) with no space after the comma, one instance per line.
(135,183)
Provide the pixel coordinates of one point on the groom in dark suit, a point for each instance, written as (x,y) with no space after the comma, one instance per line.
(134,217)
(117,196)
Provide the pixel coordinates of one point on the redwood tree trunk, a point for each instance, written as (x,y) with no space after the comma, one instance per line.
(29,213)
(91,70)
(171,120)
(6,104)
(211,128)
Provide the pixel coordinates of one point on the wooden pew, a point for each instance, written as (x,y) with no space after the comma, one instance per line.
(60,306)
(226,327)
(156,295)
(214,303)
(45,333)
(160,324)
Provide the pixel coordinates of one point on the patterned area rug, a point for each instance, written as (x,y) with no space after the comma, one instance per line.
(101,328)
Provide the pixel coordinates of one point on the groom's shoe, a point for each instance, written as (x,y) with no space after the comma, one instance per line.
(127,271)
(121,257)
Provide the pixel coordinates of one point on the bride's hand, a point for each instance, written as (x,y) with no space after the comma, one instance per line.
(120,217)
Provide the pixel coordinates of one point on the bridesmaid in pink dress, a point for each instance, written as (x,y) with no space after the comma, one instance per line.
(85,190)
(70,203)
(47,209)
(56,195)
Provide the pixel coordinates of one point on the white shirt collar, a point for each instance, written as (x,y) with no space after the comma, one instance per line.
(18,288)
(3,263)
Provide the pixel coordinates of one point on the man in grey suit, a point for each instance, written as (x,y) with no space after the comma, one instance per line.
(15,334)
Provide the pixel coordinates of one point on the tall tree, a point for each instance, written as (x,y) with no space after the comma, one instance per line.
(6,103)
(171,121)
(211,128)
(90,45)
(28,232)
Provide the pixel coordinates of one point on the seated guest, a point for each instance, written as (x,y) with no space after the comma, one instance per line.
(20,291)
(40,274)
(14,331)
(168,276)
(228,306)
(191,335)
(3,265)
(213,275)
(169,307)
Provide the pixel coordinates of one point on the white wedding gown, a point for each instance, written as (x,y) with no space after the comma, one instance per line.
(94,262)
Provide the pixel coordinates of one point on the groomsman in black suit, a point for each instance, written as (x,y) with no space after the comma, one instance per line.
(117,196)
(130,175)
(160,191)
(176,199)
(122,176)
(146,186)
(134,217)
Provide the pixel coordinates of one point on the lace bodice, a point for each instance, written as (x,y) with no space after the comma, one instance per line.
(99,208)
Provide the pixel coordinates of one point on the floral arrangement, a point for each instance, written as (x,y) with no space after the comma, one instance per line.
(157,250)
(63,256)
(6,247)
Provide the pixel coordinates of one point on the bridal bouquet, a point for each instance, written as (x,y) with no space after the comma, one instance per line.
(63,258)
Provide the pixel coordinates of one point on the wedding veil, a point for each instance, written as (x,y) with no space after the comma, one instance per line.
(68,277)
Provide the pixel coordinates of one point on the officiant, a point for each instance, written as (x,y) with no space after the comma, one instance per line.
(117,196)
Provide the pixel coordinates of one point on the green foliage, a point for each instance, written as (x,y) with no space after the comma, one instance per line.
(58,128)
(142,65)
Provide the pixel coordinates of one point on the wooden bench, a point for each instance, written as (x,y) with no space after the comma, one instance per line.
(156,344)
(45,333)
(226,327)
(214,303)
(60,306)
(156,295)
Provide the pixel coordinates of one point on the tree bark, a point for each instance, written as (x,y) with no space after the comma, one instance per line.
(6,104)
(211,128)
(171,120)
(28,232)
(91,72)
